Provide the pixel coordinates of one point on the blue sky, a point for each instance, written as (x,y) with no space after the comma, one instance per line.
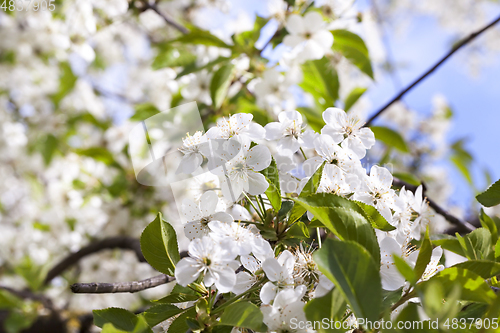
(474,100)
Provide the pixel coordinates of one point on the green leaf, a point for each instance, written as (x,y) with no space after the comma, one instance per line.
(331,306)
(192,68)
(477,244)
(488,223)
(243,315)
(9,301)
(177,298)
(298,230)
(344,218)
(410,315)
(198,36)
(273,192)
(144,111)
(121,319)
(354,49)
(484,268)
(169,56)
(97,153)
(490,197)
(449,243)
(67,82)
(310,187)
(424,256)
(374,216)
(472,286)
(352,269)
(159,313)
(407,177)
(462,159)
(390,137)
(405,269)
(159,246)
(220,84)
(49,147)
(313,117)
(353,97)
(321,81)
(180,323)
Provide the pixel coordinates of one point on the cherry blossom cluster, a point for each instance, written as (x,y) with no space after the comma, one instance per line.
(226,249)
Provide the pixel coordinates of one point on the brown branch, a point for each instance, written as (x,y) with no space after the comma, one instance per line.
(120,287)
(464,42)
(119,242)
(167,19)
(461,225)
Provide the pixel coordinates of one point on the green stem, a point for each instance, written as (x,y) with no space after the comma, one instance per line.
(255,208)
(231,301)
(319,237)
(303,154)
(263,206)
(403,299)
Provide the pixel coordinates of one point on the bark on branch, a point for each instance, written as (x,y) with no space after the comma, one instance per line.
(167,19)
(458,46)
(120,287)
(119,242)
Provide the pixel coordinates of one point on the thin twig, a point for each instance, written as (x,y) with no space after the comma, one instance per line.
(119,242)
(120,287)
(432,69)
(461,224)
(167,19)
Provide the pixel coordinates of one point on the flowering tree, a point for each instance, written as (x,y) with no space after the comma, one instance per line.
(276,204)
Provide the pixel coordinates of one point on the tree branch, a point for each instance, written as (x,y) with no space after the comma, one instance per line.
(119,242)
(464,42)
(167,19)
(461,225)
(120,287)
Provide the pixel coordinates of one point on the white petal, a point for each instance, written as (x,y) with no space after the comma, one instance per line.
(257,183)
(288,145)
(272,268)
(354,145)
(323,38)
(256,131)
(195,229)
(190,210)
(186,271)
(189,163)
(226,280)
(268,292)
(243,282)
(273,131)
(367,137)
(223,217)
(381,176)
(232,190)
(287,116)
(287,260)
(335,117)
(295,24)
(313,21)
(258,158)
(208,203)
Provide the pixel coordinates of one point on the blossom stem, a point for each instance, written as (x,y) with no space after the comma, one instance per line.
(403,299)
(319,237)
(262,206)
(255,208)
(303,154)
(231,301)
